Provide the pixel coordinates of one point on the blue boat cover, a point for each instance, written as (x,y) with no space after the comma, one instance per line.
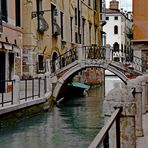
(80,85)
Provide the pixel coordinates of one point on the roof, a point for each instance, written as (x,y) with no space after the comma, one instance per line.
(112,11)
(116,11)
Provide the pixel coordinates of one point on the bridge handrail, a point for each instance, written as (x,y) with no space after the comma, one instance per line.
(64,59)
(102,136)
(134,65)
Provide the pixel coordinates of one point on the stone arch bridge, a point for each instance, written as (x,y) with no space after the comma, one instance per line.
(79,58)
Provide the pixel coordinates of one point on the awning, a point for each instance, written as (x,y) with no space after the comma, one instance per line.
(7,46)
(16,49)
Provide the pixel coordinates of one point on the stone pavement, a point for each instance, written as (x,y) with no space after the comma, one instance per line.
(142,142)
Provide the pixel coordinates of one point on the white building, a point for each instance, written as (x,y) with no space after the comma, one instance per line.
(117,25)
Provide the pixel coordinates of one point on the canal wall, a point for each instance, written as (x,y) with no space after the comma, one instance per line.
(9,113)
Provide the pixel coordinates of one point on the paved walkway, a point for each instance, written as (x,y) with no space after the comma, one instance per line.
(142,142)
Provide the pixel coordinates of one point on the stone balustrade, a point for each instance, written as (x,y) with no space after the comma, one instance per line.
(133,99)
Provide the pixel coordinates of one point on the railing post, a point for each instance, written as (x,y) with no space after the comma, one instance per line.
(136,84)
(119,135)
(142,80)
(146,92)
(108,54)
(16,89)
(48,82)
(106,141)
(48,66)
(41,77)
(80,53)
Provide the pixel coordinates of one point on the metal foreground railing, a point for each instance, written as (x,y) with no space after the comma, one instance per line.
(6,92)
(102,139)
(32,88)
(29,89)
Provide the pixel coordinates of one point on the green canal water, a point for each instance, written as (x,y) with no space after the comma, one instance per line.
(73,125)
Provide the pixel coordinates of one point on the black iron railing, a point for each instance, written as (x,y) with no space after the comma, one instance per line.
(102,139)
(94,52)
(6,92)
(135,63)
(32,88)
(64,60)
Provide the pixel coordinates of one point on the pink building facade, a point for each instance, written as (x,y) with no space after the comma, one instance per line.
(10,39)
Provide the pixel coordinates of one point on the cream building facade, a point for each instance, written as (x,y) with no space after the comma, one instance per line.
(52,27)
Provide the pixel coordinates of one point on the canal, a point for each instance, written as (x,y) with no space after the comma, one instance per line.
(74,124)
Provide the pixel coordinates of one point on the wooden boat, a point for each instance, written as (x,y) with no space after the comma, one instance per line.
(76,89)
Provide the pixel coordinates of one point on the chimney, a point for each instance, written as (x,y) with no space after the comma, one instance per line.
(114,5)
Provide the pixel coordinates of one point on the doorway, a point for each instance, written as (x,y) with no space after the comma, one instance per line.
(2,71)
(54,58)
(11,65)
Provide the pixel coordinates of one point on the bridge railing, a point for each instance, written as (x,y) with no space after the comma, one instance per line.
(94,53)
(135,63)
(64,59)
(102,139)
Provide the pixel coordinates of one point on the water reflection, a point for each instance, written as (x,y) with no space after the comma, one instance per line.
(112,82)
(75,124)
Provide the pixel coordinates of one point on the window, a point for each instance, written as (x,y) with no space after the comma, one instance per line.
(116,29)
(88,2)
(90,33)
(116,18)
(83,31)
(96,37)
(116,47)
(62,36)
(17,13)
(53,19)
(95,4)
(40,59)
(40,5)
(1,22)
(4,10)
(76,16)
(71,28)
(107,18)
(39,8)
(76,37)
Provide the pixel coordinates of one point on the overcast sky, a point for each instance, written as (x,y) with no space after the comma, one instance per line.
(125,4)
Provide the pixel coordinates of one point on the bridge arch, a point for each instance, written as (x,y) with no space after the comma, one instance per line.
(82,66)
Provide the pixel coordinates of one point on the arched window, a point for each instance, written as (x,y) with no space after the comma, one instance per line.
(54,58)
(116,47)
(115,29)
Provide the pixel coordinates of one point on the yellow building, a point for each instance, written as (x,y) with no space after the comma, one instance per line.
(52,27)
